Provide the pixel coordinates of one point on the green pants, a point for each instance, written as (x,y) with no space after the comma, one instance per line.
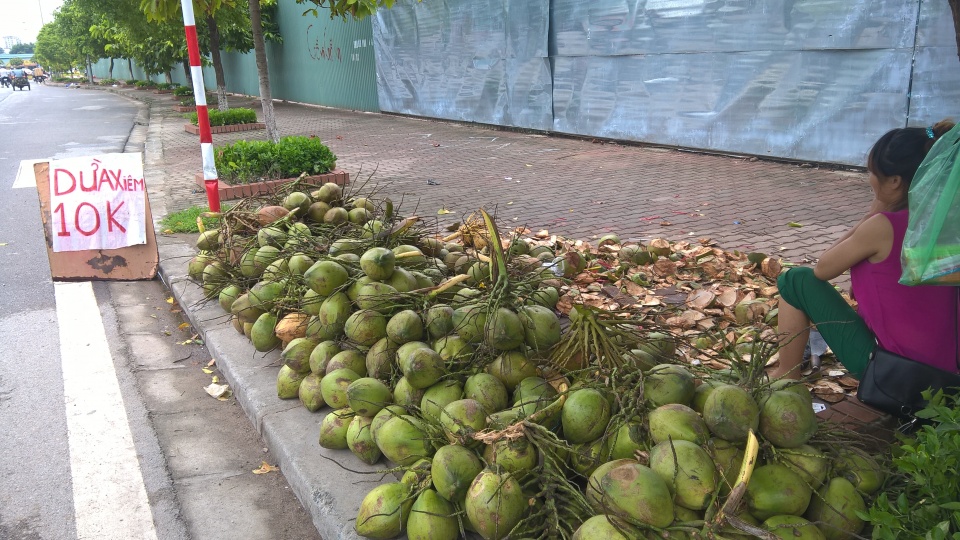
(844,331)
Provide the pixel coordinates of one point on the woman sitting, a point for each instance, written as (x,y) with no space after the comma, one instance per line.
(918,322)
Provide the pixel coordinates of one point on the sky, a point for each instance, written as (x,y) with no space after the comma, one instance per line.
(23,18)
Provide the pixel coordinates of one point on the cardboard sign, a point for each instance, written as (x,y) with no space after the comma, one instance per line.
(132,262)
(97,202)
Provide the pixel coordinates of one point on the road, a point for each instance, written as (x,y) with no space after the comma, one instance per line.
(107,431)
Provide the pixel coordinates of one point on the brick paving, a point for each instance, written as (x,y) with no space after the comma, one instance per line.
(573,187)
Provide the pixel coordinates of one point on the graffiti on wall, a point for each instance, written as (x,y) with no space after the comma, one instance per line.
(320,47)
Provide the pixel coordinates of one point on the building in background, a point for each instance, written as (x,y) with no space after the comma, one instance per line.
(10,41)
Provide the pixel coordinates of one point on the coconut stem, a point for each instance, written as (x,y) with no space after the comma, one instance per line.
(743,478)
(449,283)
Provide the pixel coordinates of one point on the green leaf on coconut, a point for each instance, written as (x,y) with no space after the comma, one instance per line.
(498,266)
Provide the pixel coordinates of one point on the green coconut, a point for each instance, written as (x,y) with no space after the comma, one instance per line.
(584,415)
(406,395)
(248,265)
(297,353)
(351,359)
(438,396)
(367,396)
(461,419)
(504,330)
(439,320)
(288,382)
(321,355)
(607,528)
(402,440)
(541,327)
(861,470)
(402,280)
(359,216)
(517,456)
(495,504)
(264,295)
(421,366)
(278,269)
(334,387)
(334,312)
(486,390)
(636,492)
(593,492)
(296,202)
(263,257)
(702,392)
(432,518)
(208,240)
(310,394)
(384,511)
(378,263)
(410,261)
(329,193)
(262,334)
(405,326)
(669,383)
(795,386)
(385,414)
(453,470)
(731,412)
(336,216)
(677,422)
(453,349)
(316,211)
(244,311)
(325,277)
(198,264)
(365,327)
(360,440)
(299,264)
(792,528)
(628,438)
(787,420)
(533,394)
(811,464)
(774,489)
(228,295)
(688,471)
(728,458)
(469,322)
(380,359)
(333,429)
(512,367)
(835,508)
(376,296)
(353,291)
(503,419)
(311,302)
(586,457)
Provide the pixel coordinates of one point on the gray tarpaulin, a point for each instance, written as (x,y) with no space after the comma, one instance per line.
(812,80)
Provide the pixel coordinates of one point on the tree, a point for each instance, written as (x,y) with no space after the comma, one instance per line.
(22,48)
(955,8)
(358,9)
(53,49)
(263,73)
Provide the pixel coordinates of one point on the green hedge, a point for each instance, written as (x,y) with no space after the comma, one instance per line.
(230,117)
(252,161)
(182,91)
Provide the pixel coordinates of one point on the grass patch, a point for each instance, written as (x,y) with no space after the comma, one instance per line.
(185,221)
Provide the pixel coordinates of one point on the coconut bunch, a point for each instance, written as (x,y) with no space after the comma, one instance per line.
(448,358)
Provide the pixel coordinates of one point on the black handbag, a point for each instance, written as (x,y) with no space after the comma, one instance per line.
(893,384)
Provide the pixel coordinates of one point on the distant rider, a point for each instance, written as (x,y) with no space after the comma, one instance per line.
(4,77)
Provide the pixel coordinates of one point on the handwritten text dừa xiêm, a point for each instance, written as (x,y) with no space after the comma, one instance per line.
(65,181)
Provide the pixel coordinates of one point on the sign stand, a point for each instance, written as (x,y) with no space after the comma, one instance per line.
(128,263)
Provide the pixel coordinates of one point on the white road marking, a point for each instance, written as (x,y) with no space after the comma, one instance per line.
(109,498)
(25,177)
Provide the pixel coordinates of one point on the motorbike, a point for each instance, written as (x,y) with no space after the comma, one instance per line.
(19,83)
(5,82)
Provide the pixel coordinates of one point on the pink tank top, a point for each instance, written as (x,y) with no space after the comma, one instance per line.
(919,322)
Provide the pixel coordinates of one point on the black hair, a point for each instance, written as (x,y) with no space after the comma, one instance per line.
(900,151)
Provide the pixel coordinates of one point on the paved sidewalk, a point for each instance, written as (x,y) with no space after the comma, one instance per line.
(577,188)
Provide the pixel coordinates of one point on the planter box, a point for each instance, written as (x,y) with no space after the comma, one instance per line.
(184,109)
(163,91)
(190,128)
(228,192)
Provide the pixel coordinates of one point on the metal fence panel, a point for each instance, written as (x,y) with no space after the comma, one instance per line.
(480,61)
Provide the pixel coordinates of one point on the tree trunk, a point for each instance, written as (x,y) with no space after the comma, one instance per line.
(955,7)
(110,72)
(187,73)
(217,63)
(168,77)
(130,67)
(261,54)
(89,70)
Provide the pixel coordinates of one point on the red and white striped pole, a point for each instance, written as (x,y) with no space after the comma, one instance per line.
(200,96)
